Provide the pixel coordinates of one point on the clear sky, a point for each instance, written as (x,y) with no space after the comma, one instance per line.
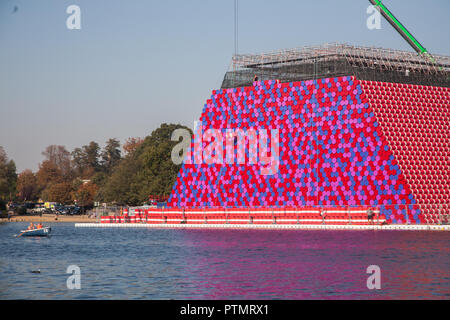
(137,63)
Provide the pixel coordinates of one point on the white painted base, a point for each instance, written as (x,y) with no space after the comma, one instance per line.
(267,226)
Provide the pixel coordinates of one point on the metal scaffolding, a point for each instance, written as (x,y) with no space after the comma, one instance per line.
(334,60)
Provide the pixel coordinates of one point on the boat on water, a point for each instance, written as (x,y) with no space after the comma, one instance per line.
(41,232)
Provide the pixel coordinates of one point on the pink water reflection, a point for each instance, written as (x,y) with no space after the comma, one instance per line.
(271,264)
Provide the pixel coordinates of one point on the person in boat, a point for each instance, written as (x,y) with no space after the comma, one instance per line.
(31,226)
(39,226)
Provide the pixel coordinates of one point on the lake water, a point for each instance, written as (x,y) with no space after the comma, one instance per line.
(223,264)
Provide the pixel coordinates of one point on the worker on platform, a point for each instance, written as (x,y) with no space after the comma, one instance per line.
(323,215)
(370,215)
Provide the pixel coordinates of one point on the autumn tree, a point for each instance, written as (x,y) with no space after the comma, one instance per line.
(60,192)
(59,157)
(85,194)
(47,174)
(132,144)
(146,169)
(27,188)
(47,177)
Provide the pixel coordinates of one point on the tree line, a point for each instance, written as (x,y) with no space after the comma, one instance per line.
(122,175)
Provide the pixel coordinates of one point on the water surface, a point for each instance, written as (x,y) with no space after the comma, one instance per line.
(223,264)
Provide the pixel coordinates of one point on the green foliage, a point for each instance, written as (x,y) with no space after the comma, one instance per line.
(110,154)
(89,174)
(148,170)
(8,177)
(119,187)
(85,160)
(91,152)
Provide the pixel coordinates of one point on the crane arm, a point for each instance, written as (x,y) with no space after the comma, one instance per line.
(413,42)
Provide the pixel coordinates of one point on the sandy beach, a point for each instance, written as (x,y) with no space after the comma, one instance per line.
(49,218)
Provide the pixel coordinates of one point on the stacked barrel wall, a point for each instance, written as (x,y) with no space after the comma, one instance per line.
(346,147)
(342,142)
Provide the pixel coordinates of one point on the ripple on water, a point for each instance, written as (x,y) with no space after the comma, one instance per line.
(223,264)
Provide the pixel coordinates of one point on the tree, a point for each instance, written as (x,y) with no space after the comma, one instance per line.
(158,173)
(91,152)
(8,177)
(59,157)
(132,144)
(119,187)
(111,154)
(78,161)
(85,160)
(48,175)
(60,192)
(100,179)
(147,169)
(85,194)
(27,188)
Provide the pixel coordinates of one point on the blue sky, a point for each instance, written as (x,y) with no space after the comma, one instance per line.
(135,64)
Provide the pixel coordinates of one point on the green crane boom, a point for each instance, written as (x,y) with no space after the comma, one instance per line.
(401,29)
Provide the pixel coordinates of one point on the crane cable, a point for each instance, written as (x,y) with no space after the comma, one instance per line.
(236,26)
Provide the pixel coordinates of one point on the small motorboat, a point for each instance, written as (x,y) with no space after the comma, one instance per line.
(41,232)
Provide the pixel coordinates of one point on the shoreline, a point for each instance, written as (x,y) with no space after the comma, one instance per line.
(50,218)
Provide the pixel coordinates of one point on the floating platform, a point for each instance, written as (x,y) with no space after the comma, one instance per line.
(249,216)
(266,226)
